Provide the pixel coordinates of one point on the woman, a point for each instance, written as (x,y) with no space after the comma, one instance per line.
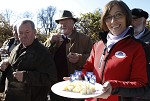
(118,60)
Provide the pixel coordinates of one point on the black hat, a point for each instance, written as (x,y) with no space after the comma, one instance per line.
(139,13)
(65,15)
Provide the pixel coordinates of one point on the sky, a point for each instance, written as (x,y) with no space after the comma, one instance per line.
(76,6)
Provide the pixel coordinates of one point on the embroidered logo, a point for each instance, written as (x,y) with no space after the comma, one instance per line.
(120,54)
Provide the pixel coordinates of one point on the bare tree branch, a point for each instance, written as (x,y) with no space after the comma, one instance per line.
(45,18)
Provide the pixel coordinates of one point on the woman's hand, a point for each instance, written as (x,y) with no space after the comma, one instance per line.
(107,88)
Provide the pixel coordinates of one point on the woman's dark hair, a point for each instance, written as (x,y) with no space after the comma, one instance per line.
(124,8)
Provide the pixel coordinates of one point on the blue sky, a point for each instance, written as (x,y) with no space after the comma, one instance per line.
(76,6)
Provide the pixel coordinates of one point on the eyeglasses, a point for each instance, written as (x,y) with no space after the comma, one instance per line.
(116,16)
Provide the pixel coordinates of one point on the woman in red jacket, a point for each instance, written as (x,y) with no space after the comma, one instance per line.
(118,60)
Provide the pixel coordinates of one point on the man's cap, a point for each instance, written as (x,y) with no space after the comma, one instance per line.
(138,13)
(66,15)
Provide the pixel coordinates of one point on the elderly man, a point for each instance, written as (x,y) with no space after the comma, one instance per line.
(30,70)
(69,47)
(139,18)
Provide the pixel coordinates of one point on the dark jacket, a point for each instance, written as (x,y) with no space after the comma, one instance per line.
(146,36)
(80,43)
(39,73)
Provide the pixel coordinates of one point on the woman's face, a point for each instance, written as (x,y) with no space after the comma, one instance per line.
(116,20)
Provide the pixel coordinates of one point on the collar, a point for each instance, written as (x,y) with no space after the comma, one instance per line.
(118,37)
(113,39)
(103,35)
(138,36)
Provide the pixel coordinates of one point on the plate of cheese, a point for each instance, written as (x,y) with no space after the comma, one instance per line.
(77,89)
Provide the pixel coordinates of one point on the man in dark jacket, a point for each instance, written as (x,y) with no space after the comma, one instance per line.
(30,70)
(139,18)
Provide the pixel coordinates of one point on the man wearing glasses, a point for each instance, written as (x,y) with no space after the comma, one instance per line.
(139,18)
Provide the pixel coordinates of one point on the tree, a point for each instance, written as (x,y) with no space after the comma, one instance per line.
(45,17)
(27,15)
(41,37)
(89,23)
(7,13)
(5,29)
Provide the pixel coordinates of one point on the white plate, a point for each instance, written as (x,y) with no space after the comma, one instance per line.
(58,89)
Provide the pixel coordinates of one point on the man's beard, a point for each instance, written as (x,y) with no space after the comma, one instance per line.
(138,30)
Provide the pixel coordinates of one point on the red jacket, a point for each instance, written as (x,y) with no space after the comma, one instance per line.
(124,66)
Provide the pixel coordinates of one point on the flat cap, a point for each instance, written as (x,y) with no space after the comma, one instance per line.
(139,13)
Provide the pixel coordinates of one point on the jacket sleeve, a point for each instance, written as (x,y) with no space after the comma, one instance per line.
(141,92)
(89,65)
(83,57)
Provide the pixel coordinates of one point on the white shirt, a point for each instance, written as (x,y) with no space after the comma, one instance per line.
(112,39)
(138,36)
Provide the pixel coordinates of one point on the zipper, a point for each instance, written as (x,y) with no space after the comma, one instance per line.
(104,66)
(102,57)
(106,57)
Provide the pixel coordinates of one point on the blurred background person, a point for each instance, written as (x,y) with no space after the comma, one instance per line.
(139,18)
(10,43)
(5,50)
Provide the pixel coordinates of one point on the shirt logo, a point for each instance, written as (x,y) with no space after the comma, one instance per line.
(120,54)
